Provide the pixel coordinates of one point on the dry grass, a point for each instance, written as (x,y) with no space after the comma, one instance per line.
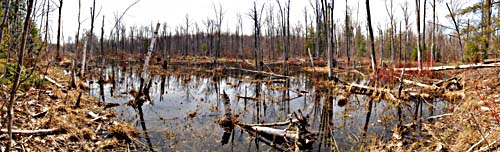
(472,119)
(76,129)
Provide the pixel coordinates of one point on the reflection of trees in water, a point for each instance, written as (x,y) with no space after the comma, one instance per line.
(144,128)
(276,104)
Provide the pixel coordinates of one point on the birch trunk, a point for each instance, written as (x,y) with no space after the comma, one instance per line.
(150,51)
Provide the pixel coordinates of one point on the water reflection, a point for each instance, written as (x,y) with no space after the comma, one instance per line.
(185,108)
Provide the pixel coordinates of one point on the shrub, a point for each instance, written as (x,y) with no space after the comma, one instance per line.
(29,80)
(471,51)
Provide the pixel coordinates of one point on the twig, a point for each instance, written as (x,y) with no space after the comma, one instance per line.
(482,139)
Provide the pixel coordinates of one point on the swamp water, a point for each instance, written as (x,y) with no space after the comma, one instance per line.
(185,107)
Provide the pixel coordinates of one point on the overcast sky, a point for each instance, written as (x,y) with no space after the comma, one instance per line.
(173,12)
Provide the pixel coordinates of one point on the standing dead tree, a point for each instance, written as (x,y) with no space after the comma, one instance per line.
(390,12)
(77,37)
(433,32)
(318,28)
(406,15)
(256,16)
(58,55)
(5,18)
(150,51)
(419,35)
(91,35)
(219,16)
(347,33)
(187,35)
(17,75)
(286,28)
(453,16)
(325,8)
(240,35)
(370,32)
(118,19)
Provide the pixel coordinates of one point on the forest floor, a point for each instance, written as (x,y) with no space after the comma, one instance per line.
(46,118)
(46,115)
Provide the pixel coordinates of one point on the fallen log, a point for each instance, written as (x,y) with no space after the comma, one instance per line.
(259,72)
(442,68)
(271,124)
(53,81)
(415,83)
(294,137)
(406,95)
(32,132)
(248,98)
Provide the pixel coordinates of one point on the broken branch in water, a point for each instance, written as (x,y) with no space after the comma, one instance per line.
(259,72)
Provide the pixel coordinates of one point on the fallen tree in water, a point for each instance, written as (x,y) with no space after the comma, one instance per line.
(442,68)
(293,137)
(449,89)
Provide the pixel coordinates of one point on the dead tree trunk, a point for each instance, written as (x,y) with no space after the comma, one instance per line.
(150,51)
(317,35)
(5,18)
(457,28)
(186,34)
(258,54)
(102,38)
(77,40)
(347,34)
(58,55)
(433,34)
(390,13)
(370,31)
(381,46)
(17,75)
(219,15)
(91,36)
(419,36)
(406,15)
(327,23)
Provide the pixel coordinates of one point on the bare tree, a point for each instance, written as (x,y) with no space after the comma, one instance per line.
(256,16)
(381,45)
(17,75)
(219,16)
(77,37)
(102,38)
(240,37)
(150,50)
(433,32)
(390,12)
(285,23)
(5,18)
(370,31)
(328,33)
(58,55)
(419,35)
(187,35)
(406,15)
(318,28)
(486,30)
(453,16)
(347,33)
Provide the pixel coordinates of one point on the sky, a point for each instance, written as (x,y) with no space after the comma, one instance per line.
(173,12)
